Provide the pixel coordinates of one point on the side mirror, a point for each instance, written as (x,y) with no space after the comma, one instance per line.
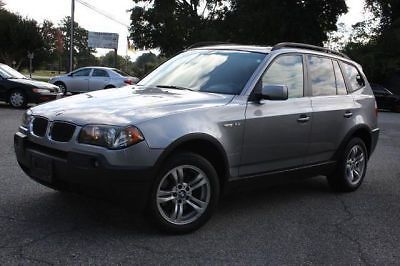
(70,74)
(275,92)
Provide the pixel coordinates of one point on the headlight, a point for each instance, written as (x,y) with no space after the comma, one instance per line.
(40,91)
(109,136)
(26,119)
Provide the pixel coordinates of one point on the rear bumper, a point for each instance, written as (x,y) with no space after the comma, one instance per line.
(374,138)
(55,169)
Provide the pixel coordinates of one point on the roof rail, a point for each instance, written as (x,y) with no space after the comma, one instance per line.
(307,46)
(202,44)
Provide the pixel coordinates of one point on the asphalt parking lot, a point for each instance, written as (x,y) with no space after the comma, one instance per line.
(300,223)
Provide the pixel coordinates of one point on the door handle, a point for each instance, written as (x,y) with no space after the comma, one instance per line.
(348,114)
(303,119)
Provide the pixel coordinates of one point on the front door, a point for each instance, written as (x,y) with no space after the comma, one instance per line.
(79,80)
(277,132)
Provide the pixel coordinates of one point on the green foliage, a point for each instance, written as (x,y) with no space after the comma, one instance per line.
(173,25)
(82,53)
(20,36)
(380,54)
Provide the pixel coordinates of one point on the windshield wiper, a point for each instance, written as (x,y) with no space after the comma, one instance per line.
(174,87)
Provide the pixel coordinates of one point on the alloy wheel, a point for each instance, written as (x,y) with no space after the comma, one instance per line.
(183,194)
(17,99)
(355,164)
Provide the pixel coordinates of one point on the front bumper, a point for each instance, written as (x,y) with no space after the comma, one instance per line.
(58,169)
(41,98)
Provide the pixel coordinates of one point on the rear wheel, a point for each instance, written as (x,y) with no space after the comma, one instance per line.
(17,99)
(185,193)
(109,87)
(351,170)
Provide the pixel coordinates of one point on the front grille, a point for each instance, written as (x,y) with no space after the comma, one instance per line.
(39,126)
(62,132)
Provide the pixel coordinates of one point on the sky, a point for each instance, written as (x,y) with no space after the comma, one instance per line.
(55,10)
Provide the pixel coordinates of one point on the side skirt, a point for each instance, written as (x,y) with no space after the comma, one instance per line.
(282,176)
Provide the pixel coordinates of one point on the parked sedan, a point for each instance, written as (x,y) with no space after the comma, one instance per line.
(18,90)
(93,78)
(385,99)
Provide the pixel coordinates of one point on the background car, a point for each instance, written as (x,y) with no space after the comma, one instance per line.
(385,99)
(93,78)
(18,90)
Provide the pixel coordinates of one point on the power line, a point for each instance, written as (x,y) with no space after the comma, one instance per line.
(101,12)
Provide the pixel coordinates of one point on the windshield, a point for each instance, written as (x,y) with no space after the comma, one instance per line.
(9,73)
(217,71)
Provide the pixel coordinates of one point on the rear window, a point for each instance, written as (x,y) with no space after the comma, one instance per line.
(121,72)
(353,75)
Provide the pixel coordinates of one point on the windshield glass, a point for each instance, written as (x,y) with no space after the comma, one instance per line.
(8,73)
(217,71)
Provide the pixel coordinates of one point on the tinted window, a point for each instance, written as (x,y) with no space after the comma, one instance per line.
(286,70)
(340,84)
(100,73)
(355,79)
(82,73)
(217,71)
(322,77)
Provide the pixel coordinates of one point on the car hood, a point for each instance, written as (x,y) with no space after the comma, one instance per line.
(34,83)
(128,105)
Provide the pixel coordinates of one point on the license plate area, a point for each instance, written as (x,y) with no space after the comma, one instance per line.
(41,167)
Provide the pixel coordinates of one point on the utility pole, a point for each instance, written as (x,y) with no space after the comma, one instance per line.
(71,48)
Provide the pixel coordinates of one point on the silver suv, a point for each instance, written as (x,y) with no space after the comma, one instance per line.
(204,119)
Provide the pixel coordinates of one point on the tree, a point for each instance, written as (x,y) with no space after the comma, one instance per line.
(173,25)
(22,36)
(82,53)
(273,21)
(2,4)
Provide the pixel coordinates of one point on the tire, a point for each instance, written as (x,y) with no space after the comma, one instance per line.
(351,169)
(17,99)
(62,86)
(178,202)
(109,87)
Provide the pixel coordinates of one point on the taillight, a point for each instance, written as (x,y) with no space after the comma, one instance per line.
(128,81)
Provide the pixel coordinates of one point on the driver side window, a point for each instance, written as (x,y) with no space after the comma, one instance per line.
(286,70)
(82,73)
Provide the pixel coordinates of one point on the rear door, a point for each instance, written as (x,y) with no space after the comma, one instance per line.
(332,107)
(99,79)
(79,81)
(277,132)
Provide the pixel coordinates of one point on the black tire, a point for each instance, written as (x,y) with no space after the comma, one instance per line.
(109,87)
(159,212)
(396,108)
(62,86)
(348,167)
(17,99)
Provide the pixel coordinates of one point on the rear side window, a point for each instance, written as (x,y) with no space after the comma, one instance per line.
(353,75)
(286,70)
(340,84)
(322,76)
(100,73)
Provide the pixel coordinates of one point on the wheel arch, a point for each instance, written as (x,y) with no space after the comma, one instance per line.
(360,131)
(204,145)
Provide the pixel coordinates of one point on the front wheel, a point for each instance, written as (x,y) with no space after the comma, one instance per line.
(62,86)
(185,193)
(351,169)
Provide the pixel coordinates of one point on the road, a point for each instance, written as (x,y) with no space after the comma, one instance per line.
(302,223)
